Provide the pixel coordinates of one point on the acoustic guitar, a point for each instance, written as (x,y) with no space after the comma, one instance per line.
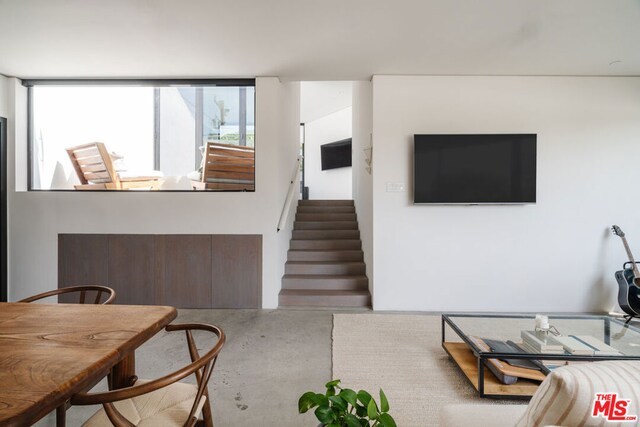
(628,280)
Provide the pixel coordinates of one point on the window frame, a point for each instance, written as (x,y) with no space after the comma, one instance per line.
(155,83)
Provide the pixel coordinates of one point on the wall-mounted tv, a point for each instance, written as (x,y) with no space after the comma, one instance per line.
(473,169)
(336,154)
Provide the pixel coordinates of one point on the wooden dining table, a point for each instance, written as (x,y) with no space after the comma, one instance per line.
(48,352)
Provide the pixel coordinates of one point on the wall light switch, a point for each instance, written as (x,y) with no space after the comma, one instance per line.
(395,187)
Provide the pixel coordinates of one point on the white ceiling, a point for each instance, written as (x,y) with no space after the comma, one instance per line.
(317,40)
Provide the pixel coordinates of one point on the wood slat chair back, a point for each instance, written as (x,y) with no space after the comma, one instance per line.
(228,167)
(94,167)
(200,366)
(85,294)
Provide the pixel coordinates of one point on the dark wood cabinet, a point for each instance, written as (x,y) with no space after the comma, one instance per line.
(233,263)
(132,263)
(181,270)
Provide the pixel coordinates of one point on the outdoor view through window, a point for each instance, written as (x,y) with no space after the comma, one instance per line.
(118,137)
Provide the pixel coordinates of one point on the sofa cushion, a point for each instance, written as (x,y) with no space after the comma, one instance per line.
(566,397)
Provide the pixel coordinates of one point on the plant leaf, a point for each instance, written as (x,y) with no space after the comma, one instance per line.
(384,403)
(361,411)
(322,400)
(372,410)
(351,420)
(386,420)
(364,422)
(339,403)
(349,396)
(364,397)
(325,415)
(307,401)
(332,384)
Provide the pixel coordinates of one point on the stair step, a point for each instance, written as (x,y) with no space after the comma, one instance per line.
(325,244)
(324,298)
(324,267)
(325,225)
(325,234)
(325,217)
(326,209)
(325,203)
(328,255)
(323,282)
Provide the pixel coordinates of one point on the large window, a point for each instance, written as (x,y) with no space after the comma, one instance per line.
(137,135)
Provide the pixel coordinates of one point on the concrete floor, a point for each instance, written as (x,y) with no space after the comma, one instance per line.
(270,358)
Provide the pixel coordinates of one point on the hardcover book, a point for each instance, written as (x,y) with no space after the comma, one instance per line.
(541,342)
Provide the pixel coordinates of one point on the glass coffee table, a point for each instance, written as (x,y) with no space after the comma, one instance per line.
(465,337)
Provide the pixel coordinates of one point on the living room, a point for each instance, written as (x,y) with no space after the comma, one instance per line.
(568,73)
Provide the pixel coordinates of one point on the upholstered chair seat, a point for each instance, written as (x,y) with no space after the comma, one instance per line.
(165,407)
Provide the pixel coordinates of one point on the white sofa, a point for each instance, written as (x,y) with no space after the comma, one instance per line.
(565,398)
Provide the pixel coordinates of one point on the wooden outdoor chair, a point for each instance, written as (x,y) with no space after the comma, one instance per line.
(82,294)
(94,167)
(227,167)
(66,294)
(163,401)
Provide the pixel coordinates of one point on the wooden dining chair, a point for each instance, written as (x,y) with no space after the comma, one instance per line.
(82,291)
(163,401)
(65,295)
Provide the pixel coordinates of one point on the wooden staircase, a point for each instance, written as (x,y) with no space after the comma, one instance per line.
(325,266)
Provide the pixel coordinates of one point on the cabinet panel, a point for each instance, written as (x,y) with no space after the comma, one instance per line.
(82,260)
(132,268)
(183,270)
(237,271)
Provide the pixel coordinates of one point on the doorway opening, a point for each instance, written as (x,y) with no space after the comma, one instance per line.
(325,140)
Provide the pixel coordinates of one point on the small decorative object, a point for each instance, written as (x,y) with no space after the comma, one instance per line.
(343,407)
(542,325)
(368,158)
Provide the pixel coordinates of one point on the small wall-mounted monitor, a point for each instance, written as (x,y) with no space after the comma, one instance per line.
(470,169)
(336,154)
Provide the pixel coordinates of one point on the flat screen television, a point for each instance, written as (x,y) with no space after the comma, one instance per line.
(474,169)
(336,154)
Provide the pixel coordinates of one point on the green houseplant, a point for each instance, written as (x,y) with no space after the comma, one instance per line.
(343,407)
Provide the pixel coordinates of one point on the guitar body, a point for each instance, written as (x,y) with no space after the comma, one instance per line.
(628,292)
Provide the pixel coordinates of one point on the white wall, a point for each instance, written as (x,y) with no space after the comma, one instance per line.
(288,152)
(332,183)
(362,180)
(36,218)
(557,255)
(319,99)
(4,96)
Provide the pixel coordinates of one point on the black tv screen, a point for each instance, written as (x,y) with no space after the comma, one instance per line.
(336,154)
(469,169)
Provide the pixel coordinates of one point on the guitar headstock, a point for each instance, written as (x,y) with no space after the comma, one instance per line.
(617,231)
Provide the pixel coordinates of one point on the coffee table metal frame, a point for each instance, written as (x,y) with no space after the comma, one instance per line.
(482,356)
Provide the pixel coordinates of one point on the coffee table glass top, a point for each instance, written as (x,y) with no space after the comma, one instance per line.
(611,331)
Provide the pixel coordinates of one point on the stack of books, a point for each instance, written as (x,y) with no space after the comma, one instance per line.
(540,342)
(579,345)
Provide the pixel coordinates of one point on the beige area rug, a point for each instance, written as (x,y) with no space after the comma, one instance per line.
(402,355)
